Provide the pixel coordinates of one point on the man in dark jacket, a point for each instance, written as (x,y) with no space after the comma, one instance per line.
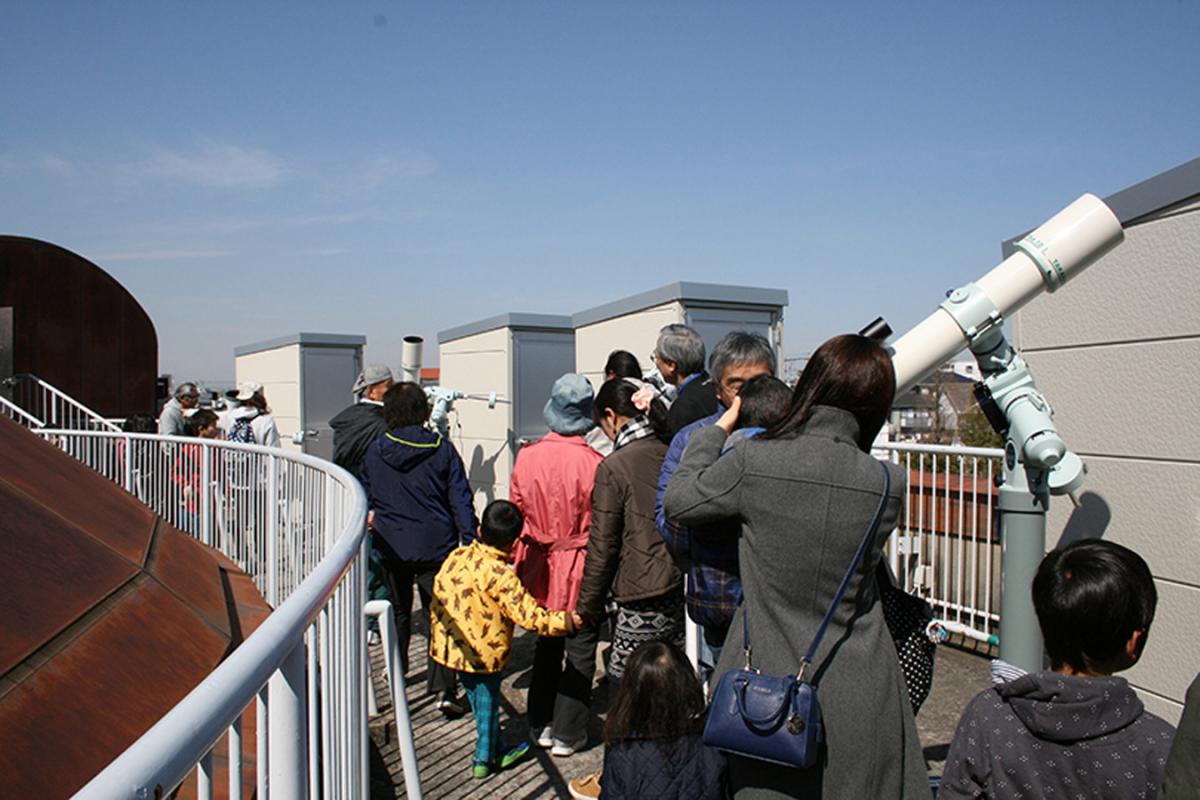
(679,356)
(354,429)
(356,426)
(421,509)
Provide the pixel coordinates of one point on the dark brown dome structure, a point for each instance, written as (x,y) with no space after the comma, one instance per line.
(72,324)
(108,617)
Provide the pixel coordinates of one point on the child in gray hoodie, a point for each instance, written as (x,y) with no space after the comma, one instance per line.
(1075,730)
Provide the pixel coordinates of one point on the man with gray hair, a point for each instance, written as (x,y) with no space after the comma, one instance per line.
(170,422)
(714,589)
(679,356)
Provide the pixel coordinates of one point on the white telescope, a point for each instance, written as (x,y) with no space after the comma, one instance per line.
(1059,249)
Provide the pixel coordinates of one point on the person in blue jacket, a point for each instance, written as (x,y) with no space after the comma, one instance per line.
(420,510)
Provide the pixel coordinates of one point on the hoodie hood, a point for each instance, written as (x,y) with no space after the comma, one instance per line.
(405,448)
(1065,708)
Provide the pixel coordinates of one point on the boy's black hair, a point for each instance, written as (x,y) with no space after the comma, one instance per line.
(765,401)
(199,419)
(1090,597)
(501,524)
(405,404)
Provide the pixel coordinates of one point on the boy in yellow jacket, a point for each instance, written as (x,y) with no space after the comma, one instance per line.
(476,599)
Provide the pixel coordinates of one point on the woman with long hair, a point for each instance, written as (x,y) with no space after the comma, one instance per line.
(805,492)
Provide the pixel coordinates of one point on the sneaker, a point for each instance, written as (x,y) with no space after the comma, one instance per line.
(585,788)
(481,769)
(563,749)
(451,708)
(544,738)
(513,756)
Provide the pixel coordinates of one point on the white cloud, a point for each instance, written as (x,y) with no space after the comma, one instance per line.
(213,164)
(36,161)
(157,255)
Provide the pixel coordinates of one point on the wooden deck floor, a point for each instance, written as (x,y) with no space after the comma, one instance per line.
(445,748)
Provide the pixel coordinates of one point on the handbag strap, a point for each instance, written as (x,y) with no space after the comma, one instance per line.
(841,591)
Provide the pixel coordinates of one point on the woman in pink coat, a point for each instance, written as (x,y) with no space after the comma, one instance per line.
(552,485)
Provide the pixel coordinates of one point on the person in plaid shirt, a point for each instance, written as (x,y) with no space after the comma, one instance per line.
(714,589)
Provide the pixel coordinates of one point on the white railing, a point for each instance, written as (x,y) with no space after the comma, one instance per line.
(946,548)
(18,414)
(53,407)
(295,524)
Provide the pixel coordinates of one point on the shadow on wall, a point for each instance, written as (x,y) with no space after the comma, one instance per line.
(1089,521)
(481,472)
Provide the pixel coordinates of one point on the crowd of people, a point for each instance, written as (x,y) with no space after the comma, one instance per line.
(722,495)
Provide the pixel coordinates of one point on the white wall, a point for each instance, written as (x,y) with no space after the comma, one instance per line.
(278,370)
(480,364)
(636,332)
(1116,352)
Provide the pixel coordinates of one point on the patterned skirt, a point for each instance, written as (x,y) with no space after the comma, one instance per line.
(656,619)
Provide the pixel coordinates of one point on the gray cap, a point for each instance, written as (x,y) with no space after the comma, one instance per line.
(568,412)
(371,375)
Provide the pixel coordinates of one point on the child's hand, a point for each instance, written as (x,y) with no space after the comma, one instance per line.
(371,520)
(728,420)
(577,622)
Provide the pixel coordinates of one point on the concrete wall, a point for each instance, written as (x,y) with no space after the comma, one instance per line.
(480,364)
(636,332)
(278,370)
(1116,353)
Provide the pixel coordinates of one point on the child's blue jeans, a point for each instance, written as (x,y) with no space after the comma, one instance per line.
(483,692)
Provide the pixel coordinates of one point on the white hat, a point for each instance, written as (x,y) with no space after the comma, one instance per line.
(247,390)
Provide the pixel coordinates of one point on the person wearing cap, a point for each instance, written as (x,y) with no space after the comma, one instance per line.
(552,484)
(250,419)
(354,429)
(357,425)
(170,422)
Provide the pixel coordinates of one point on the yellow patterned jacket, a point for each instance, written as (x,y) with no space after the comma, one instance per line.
(476,599)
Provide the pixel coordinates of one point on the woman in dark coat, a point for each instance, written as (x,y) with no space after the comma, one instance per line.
(625,554)
(805,492)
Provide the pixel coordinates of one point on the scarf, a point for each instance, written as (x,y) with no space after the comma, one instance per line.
(636,428)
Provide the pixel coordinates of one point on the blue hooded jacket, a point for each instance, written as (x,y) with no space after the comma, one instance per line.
(417,486)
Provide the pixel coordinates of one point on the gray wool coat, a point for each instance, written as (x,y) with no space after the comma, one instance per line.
(805,502)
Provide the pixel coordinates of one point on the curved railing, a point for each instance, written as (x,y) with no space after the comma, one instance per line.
(296,525)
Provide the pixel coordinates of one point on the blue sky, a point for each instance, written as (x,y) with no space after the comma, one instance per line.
(250,170)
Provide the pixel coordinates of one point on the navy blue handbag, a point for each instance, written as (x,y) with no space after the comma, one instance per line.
(771,718)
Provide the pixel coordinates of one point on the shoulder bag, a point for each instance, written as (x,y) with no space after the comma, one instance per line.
(772,718)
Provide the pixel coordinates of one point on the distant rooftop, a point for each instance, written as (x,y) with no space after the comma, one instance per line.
(715,294)
(307,339)
(520,321)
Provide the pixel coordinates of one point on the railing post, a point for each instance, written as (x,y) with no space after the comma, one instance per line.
(288,740)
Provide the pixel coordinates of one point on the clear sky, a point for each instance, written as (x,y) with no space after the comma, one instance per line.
(250,170)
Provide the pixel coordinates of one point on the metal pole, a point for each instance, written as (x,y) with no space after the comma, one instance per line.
(1023,507)
(288,722)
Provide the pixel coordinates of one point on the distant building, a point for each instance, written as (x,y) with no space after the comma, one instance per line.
(929,412)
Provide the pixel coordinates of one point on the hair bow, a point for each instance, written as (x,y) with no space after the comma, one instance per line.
(643,397)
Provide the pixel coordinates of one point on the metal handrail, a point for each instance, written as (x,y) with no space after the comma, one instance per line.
(940,449)
(164,756)
(16,411)
(95,418)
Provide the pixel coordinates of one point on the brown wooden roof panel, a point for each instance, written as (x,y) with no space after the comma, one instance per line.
(182,565)
(74,714)
(84,497)
(50,574)
(97,639)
